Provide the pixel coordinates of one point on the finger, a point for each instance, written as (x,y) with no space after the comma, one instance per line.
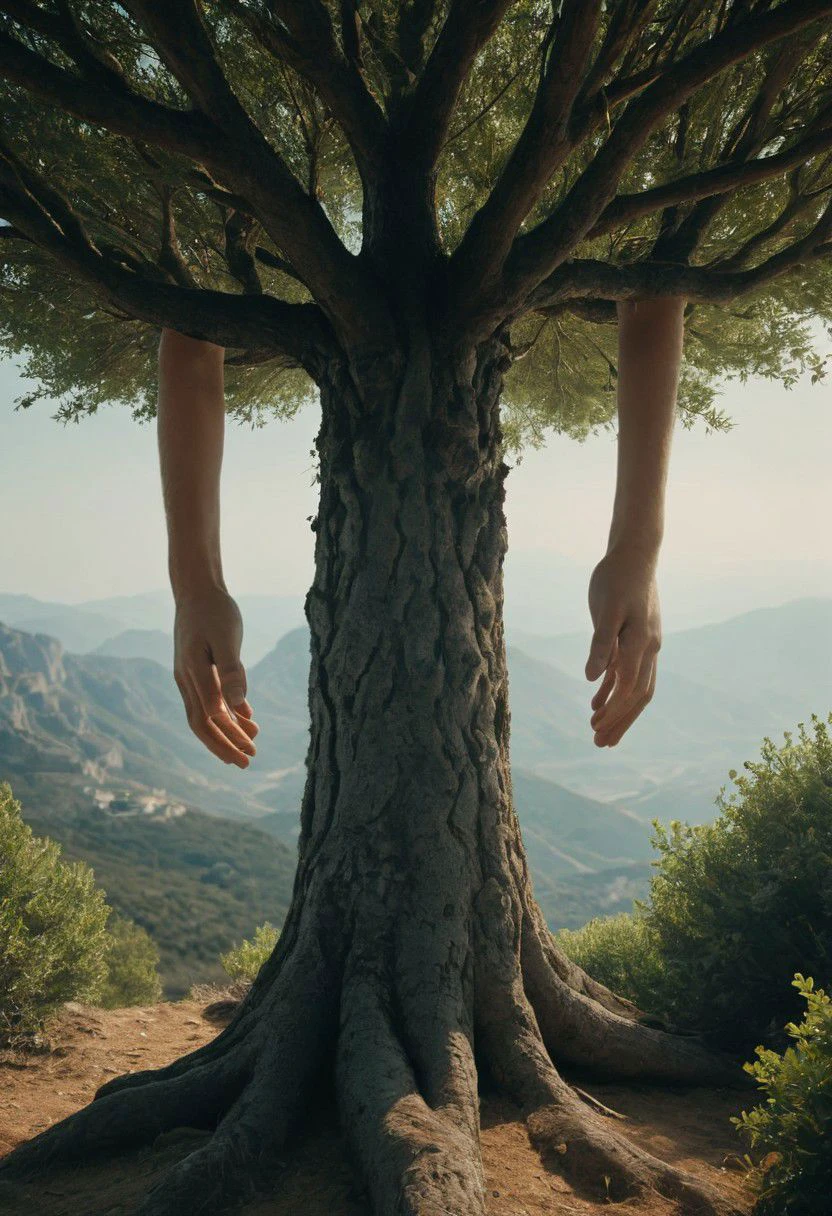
(623,725)
(232,678)
(233,686)
(604,688)
(632,671)
(601,651)
(247,724)
(206,685)
(201,726)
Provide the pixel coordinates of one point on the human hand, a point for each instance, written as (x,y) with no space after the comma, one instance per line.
(624,606)
(208,632)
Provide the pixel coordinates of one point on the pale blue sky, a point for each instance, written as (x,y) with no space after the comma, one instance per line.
(749,512)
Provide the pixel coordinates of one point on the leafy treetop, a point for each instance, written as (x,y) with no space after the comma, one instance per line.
(258,173)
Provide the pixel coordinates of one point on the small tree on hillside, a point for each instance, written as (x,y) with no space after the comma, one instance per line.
(420,208)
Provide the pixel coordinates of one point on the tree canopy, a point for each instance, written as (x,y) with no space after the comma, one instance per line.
(230,168)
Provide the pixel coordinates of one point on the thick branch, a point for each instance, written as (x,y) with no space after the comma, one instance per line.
(467,29)
(544,144)
(720,180)
(589,279)
(247,166)
(311,50)
(261,325)
(537,254)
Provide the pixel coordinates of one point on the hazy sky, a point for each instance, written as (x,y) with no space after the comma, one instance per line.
(749,512)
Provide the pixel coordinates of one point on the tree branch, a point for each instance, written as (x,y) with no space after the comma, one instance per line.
(467,29)
(543,145)
(243,162)
(311,50)
(628,207)
(536,255)
(588,279)
(263,326)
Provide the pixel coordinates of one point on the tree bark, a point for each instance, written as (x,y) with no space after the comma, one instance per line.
(414,956)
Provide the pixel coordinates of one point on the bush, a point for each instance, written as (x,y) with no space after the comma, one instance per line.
(244,961)
(739,905)
(53,940)
(132,959)
(623,953)
(792,1129)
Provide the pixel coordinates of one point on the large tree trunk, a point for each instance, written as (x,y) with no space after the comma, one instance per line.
(414,954)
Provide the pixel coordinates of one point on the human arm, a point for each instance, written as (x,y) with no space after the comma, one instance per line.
(207,625)
(623,595)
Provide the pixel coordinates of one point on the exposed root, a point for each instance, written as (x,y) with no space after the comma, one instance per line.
(417,1161)
(570,973)
(578,1030)
(249,1096)
(596,1158)
(133,1117)
(228,1168)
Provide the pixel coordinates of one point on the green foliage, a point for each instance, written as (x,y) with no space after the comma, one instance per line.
(739,905)
(791,1130)
(165,876)
(132,959)
(84,351)
(244,961)
(53,940)
(621,952)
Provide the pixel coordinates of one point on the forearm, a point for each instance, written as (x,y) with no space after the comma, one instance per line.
(650,339)
(190,423)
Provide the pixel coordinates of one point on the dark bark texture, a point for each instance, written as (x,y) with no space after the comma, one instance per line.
(414,956)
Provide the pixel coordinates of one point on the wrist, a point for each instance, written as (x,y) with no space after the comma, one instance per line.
(638,544)
(194,579)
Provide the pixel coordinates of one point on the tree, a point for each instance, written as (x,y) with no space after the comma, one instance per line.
(398,203)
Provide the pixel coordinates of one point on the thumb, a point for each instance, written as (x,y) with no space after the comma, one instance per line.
(601,651)
(232,681)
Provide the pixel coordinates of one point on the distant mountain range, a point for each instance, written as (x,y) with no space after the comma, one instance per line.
(112,718)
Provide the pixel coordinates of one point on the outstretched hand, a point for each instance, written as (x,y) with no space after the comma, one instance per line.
(624,606)
(208,633)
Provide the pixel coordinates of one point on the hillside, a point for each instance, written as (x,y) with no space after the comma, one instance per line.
(197,883)
(90,1046)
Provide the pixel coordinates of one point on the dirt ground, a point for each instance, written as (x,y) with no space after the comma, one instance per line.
(91,1045)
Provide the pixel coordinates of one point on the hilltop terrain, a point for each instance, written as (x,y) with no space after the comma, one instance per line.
(92,1045)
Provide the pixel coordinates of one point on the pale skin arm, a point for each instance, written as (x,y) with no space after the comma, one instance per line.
(208,628)
(623,596)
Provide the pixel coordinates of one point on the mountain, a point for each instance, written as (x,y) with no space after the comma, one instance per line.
(94,624)
(152,644)
(77,628)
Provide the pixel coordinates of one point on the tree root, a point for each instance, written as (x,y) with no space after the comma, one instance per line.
(132,1117)
(249,1096)
(402,1058)
(418,1161)
(597,1159)
(578,1029)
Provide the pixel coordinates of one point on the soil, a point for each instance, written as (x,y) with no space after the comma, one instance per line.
(89,1046)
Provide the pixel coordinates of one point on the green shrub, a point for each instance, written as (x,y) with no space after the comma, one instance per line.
(132,959)
(622,952)
(791,1130)
(244,961)
(53,940)
(740,905)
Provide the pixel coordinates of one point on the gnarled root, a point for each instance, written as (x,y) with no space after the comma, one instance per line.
(578,1029)
(249,1096)
(597,1158)
(419,1161)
